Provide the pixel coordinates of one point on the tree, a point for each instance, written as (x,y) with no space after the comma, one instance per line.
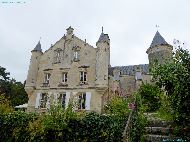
(12,90)
(4,74)
(174,77)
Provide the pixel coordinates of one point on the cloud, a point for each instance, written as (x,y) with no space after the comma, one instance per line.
(130,25)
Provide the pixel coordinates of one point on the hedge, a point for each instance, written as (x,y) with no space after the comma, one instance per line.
(92,127)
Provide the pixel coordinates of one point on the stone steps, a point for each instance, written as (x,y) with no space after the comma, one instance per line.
(155,138)
(157,130)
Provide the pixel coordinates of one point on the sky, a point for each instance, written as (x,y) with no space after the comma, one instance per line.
(130,24)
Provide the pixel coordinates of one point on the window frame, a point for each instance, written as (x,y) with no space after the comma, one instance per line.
(83,76)
(62,99)
(64,77)
(43,100)
(47,78)
(82,101)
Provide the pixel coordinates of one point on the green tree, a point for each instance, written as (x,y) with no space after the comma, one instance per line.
(174,77)
(12,90)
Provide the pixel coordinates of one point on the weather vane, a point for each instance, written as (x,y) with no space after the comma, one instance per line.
(102,29)
(157,27)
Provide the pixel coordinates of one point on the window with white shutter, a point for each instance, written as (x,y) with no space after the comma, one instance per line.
(82,101)
(62,99)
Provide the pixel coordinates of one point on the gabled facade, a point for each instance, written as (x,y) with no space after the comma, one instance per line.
(71,70)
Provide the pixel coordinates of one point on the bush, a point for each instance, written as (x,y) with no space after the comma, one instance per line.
(150,95)
(60,125)
(5,106)
(139,121)
(118,106)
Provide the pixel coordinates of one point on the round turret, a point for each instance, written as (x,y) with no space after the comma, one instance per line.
(159,50)
(102,59)
(33,69)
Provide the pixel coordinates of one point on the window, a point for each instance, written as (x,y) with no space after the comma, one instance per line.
(47,77)
(81,101)
(61,99)
(76,56)
(64,77)
(57,55)
(83,76)
(43,100)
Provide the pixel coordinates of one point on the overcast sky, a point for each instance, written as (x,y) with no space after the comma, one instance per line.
(129,23)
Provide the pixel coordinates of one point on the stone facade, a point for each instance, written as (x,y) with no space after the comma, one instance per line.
(71,70)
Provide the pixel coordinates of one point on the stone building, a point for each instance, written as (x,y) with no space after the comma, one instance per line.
(71,70)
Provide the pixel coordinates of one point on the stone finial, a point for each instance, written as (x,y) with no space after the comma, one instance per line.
(69,30)
(103,37)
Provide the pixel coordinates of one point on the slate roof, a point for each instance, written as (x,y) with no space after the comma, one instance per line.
(38,47)
(158,40)
(130,70)
(103,37)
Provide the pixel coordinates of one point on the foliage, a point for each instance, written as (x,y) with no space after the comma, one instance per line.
(138,120)
(14,126)
(13,90)
(150,94)
(60,125)
(174,77)
(5,105)
(118,106)
(4,74)
(165,111)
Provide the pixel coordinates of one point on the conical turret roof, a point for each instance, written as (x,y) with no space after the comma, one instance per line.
(158,40)
(103,37)
(38,47)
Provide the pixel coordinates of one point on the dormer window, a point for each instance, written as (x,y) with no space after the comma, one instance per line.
(64,77)
(47,77)
(76,55)
(76,50)
(57,56)
(83,77)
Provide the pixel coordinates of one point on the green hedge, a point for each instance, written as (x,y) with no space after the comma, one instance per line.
(92,127)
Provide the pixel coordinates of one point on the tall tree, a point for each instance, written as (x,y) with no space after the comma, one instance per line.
(174,77)
(12,90)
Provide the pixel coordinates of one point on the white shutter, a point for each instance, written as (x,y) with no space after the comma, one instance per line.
(48,101)
(75,101)
(67,99)
(88,100)
(38,97)
(55,98)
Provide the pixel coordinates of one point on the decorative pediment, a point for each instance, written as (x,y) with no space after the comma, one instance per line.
(76,48)
(58,50)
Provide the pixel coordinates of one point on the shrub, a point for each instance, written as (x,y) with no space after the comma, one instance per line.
(150,95)
(118,106)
